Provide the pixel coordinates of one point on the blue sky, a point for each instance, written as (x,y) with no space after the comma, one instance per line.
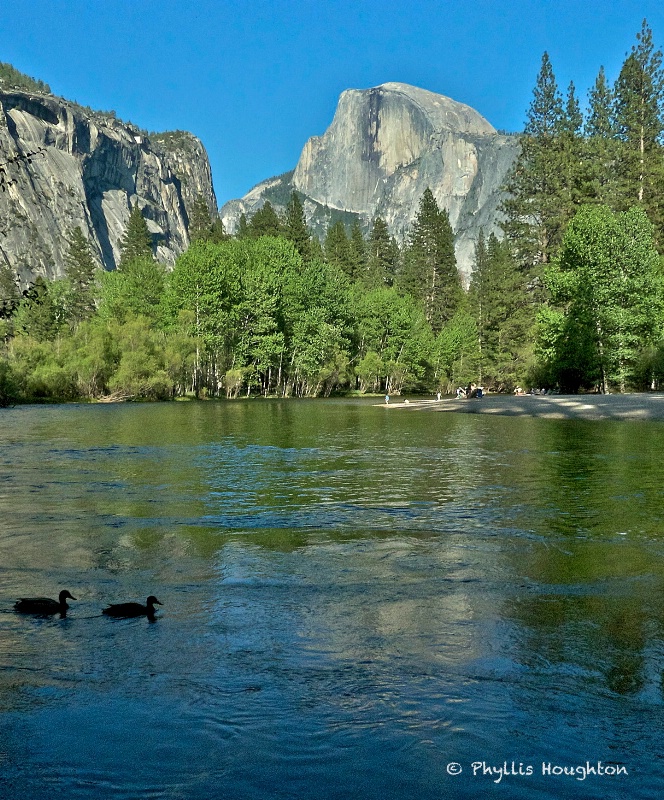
(255,79)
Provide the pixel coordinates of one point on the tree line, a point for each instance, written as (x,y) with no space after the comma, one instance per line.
(570,297)
(269,311)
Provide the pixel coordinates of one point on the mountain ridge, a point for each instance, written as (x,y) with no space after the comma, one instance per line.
(88,169)
(384,147)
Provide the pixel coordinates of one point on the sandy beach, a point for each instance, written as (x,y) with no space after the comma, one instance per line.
(588,406)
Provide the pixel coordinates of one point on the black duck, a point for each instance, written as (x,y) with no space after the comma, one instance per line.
(44,605)
(133,609)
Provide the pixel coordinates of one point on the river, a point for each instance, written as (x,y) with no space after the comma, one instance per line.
(358,603)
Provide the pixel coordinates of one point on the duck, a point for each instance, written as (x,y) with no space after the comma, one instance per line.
(44,605)
(133,609)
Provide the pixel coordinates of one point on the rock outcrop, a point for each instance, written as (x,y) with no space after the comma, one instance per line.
(62,166)
(384,147)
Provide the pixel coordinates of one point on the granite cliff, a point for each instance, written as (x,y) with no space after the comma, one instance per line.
(384,147)
(63,165)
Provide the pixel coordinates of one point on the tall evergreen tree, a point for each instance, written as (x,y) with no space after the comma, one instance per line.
(200,220)
(497,299)
(137,241)
(80,269)
(538,206)
(429,273)
(358,252)
(295,227)
(639,124)
(382,256)
(337,248)
(600,144)
(242,228)
(265,222)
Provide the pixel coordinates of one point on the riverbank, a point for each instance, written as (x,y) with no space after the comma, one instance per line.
(550,406)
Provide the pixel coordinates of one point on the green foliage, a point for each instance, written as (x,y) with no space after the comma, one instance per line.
(456,354)
(136,289)
(572,298)
(295,227)
(429,272)
(204,225)
(638,125)
(606,298)
(40,312)
(382,257)
(538,206)
(337,248)
(10,77)
(265,222)
(504,319)
(141,371)
(392,327)
(80,269)
(8,385)
(137,241)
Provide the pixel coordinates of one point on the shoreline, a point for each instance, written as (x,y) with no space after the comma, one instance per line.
(586,407)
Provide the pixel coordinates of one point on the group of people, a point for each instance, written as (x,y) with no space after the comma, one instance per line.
(471,391)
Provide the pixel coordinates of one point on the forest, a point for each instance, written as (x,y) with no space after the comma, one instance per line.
(569,297)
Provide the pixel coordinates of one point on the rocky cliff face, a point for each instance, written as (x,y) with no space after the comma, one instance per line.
(384,147)
(64,166)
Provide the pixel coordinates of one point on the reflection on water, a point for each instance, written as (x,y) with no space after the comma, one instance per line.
(352,600)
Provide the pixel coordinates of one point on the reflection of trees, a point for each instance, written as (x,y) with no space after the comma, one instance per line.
(595,634)
(589,483)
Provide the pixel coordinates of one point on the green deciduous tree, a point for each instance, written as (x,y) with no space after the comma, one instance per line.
(136,289)
(392,332)
(606,299)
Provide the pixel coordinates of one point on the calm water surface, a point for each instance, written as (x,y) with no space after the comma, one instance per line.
(354,598)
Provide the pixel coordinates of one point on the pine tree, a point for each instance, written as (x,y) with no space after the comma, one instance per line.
(639,124)
(429,273)
(218,233)
(242,228)
(575,182)
(538,207)
(600,144)
(200,220)
(337,248)
(497,299)
(358,252)
(265,222)
(382,256)
(137,241)
(295,227)
(80,269)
